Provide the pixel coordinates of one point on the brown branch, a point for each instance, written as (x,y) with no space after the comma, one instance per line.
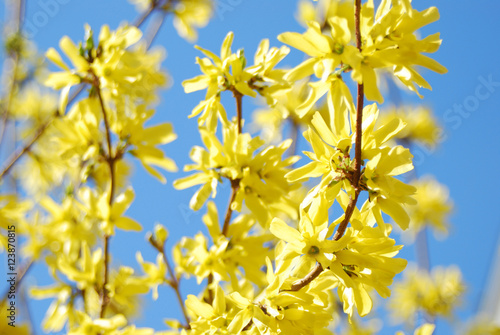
(307,279)
(173,281)
(110,159)
(357,166)
(235,185)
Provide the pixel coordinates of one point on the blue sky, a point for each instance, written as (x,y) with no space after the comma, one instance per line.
(465,101)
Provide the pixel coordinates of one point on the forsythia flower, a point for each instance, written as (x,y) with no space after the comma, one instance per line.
(229,73)
(325,9)
(361,259)
(191,14)
(331,160)
(421,125)
(229,252)
(118,63)
(110,216)
(432,208)
(436,295)
(260,177)
(389,41)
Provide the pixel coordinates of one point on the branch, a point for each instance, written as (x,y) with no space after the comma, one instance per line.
(27,147)
(173,281)
(16,156)
(235,185)
(110,159)
(357,165)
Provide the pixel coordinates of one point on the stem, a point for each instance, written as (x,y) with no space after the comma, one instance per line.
(141,19)
(235,185)
(111,163)
(239,110)
(105,296)
(315,272)
(173,281)
(156,28)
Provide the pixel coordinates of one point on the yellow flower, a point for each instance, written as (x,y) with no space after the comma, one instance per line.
(327,53)
(432,208)
(421,125)
(155,274)
(120,64)
(436,294)
(331,159)
(191,14)
(58,312)
(109,216)
(229,254)
(323,10)
(208,317)
(259,176)
(229,73)
(425,329)
(142,142)
(389,41)
(310,241)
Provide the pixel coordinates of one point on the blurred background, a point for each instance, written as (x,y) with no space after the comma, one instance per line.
(465,102)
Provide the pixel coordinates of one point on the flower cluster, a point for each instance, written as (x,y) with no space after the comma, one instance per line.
(300,249)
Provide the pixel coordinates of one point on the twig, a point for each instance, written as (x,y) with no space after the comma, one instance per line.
(110,159)
(173,281)
(357,166)
(21,274)
(235,185)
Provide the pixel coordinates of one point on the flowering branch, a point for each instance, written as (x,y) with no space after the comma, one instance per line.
(110,159)
(27,146)
(173,281)
(315,272)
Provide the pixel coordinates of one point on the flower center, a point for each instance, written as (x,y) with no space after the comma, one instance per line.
(314,250)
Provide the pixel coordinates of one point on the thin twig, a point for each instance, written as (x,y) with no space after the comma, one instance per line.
(155,30)
(110,158)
